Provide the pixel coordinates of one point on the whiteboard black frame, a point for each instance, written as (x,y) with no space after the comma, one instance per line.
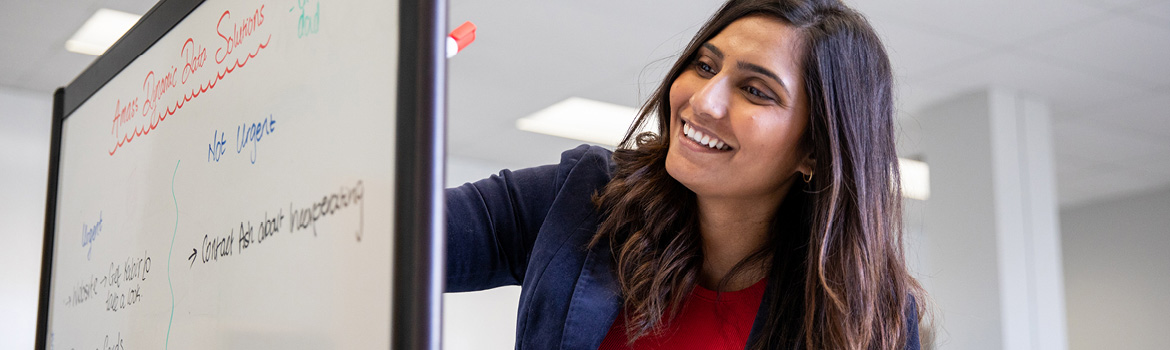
(420,154)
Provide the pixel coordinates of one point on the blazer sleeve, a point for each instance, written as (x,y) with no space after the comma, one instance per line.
(493,223)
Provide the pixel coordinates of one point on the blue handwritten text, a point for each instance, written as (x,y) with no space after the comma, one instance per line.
(88,234)
(246,134)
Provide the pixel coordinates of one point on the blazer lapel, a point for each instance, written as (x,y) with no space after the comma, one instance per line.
(595,303)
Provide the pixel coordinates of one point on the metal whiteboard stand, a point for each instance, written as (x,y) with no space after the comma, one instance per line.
(419,242)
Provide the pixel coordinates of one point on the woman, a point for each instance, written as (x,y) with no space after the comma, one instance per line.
(763,214)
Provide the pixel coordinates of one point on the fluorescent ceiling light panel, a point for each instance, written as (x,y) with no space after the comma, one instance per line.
(582,119)
(915,179)
(101,31)
(606,123)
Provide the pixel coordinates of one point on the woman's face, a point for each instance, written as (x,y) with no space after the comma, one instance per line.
(742,97)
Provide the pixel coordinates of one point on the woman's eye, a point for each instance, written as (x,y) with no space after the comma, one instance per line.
(756,92)
(704,68)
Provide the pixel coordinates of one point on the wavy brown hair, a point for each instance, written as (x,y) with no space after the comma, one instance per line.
(835,261)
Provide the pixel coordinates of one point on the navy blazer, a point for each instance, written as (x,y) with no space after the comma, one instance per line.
(531,227)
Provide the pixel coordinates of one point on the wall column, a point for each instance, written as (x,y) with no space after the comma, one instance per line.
(990,225)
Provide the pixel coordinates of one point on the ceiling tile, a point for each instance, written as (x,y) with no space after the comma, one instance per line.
(1156,13)
(1071,164)
(1100,185)
(1066,89)
(1076,177)
(26,38)
(1067,198)
(1080,179)
(1071,189)
(1147,115)
(914,51)
(1156,165)
(1103,143)
(33,51)
(997,22)
(1114,4)
(912,95)
(1135,50)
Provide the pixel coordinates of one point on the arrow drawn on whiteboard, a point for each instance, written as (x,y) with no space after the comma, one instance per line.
(192,257)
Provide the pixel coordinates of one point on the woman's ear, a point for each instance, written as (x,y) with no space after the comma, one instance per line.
(807,164)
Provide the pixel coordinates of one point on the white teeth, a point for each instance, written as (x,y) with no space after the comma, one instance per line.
(702,139)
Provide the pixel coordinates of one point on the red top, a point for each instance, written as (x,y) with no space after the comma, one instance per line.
(708,321)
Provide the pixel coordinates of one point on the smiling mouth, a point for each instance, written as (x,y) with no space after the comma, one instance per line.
(704,139)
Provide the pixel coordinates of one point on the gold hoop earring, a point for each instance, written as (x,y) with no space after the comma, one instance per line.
(807,178)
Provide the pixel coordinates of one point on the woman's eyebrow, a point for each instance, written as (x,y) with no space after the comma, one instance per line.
(714,50)
(765,72)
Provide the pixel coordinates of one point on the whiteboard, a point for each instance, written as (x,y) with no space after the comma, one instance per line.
(233,186)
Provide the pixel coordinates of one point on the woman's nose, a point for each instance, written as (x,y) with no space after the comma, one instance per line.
(711,99)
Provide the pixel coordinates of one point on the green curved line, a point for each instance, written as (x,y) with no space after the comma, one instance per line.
(176,199)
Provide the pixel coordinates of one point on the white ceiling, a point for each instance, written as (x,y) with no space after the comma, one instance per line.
(1101,65)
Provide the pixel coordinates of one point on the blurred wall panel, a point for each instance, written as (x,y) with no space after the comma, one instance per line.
(24,157)
(1117,272)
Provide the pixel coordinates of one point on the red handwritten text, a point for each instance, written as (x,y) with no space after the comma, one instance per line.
(195,58)
(155,87)
(239,32)
(123,115)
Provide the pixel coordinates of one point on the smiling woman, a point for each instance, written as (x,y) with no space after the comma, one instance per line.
(733,98)
(760,214)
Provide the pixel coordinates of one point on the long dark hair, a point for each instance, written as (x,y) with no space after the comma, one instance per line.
(837,267)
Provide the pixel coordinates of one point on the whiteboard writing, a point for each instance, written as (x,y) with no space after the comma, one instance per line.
(330,204)
(239,32)
(253,133)
(248,248)
(194,56)
(133,121)
(119,284)
(216,148)
(89,234)
(309,23)
(248,137)
(250,234)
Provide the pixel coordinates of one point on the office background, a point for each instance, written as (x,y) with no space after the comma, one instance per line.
(1087,78)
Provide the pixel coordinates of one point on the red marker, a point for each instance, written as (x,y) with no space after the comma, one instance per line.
(460,38)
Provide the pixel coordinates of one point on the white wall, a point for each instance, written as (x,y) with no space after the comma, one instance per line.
(1117,272)
(24,156)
